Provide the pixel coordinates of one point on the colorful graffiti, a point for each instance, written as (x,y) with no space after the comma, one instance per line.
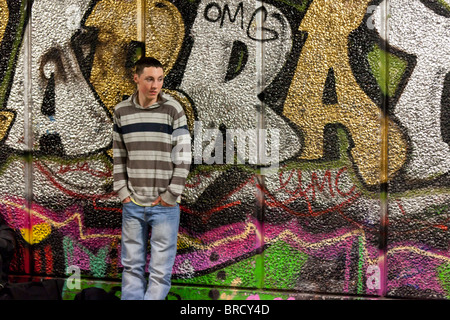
(359,91)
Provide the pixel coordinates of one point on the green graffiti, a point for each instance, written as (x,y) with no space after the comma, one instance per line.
(444,4)
(240,274)
(300,7)
(283,265)
(278,267)
(5,82)
(97,262)
(361,248)
(444,277)
(387,69)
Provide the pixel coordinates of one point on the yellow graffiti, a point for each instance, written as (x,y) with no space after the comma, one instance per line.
(233,293)
(37,233)
(118,25)
(77,217)
(328,25)
(6,119)
(199,246)
(4,16)
(115,21)
(164,32)
(290,237)
(286,236)
(420,252)
(188,109)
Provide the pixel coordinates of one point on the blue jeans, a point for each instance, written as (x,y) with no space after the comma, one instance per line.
(137,221)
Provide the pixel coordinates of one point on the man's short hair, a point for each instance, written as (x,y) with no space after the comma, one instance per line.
(146,62)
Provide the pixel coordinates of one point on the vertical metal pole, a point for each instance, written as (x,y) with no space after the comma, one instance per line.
(141,7)
(260,179)
(28,133)
(384,219)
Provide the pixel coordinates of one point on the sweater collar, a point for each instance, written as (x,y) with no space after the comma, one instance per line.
(162,98)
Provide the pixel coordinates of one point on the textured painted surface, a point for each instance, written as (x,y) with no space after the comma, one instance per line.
(360,202)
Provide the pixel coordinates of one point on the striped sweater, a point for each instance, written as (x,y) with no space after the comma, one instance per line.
(152,150)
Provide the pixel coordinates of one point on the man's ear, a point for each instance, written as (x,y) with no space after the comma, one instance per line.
(136,78)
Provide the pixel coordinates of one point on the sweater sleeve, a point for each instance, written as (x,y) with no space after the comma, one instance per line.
(181,159)
(120,162)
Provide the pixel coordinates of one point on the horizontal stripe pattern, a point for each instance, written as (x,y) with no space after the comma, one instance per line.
(146,127)
(152,150)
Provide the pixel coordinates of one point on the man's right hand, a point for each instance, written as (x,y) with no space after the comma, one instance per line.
(126,200)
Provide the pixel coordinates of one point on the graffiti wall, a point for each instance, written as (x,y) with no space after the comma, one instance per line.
(350,100)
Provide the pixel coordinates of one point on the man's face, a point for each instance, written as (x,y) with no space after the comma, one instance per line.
(149,84)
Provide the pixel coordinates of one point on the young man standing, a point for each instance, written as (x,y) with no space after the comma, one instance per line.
(152,155)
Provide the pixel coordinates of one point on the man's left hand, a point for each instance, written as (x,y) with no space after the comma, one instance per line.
(159,200)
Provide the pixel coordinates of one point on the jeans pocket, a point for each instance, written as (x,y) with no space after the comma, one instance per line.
(172,210)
